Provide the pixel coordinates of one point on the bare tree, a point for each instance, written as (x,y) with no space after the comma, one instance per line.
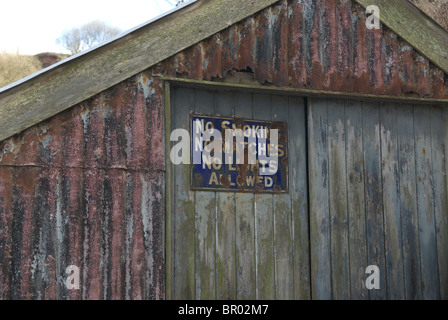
(88,35)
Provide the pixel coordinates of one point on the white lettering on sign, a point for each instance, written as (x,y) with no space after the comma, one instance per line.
(236,154)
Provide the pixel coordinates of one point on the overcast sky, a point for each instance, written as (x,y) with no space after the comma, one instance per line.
(32,26)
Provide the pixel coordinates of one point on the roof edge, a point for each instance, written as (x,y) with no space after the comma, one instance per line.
(415,27)
(65,84)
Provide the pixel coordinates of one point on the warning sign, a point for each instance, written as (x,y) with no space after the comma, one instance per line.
(240,155)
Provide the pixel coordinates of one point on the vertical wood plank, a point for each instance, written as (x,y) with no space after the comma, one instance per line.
(264,220)
(298,185)
(338,200)
(245,247)
(225,227)
(205,220)
(184,238)
(392,216)
(373,194)
(225,246)
(425,202)
(245,224)
(264,246)
(355,200)
(319,211)
(408,204)
(283,244)
(438,134)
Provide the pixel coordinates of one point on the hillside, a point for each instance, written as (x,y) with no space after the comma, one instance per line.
(14,66)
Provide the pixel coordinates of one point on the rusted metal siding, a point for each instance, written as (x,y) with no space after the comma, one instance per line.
(321,45)
(86,187)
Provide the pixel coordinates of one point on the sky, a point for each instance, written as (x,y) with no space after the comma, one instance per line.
(32,26)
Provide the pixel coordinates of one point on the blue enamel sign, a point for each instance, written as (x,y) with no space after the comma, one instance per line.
(240,155)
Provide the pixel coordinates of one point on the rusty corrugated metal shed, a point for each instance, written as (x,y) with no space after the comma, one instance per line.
(86,186)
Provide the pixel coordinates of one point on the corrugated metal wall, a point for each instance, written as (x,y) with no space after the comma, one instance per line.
(321,45)
(86,187)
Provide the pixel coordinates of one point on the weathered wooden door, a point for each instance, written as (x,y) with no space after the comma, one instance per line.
(230,245)
(375,175)
(378,196)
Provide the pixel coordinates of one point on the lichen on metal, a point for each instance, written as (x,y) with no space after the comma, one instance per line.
(419,30)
